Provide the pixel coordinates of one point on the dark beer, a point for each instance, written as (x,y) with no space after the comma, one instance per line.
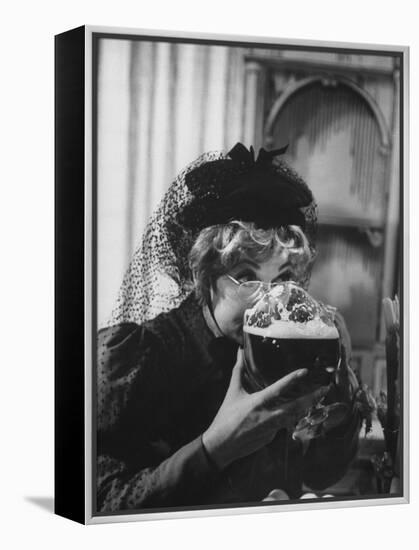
(287,330)
(268,359)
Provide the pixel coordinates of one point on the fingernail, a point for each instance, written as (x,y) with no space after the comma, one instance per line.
(301,373)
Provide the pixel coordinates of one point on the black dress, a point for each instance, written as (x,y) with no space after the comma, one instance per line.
(159,386)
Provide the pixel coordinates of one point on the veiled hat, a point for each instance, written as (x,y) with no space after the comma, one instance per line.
(215,189)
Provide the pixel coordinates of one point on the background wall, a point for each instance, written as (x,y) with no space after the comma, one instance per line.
(27,276)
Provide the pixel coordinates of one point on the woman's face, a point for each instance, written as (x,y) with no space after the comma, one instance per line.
(229,307)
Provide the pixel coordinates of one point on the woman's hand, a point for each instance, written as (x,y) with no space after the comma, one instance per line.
(246,422)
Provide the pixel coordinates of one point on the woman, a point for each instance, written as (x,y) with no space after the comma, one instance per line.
(176,427)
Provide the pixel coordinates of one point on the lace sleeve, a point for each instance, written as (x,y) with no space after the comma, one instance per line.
(180,480)
(137,464)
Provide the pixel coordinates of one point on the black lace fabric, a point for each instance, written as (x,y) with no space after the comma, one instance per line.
(216,188)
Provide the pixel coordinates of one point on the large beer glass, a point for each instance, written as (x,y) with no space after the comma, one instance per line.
(285,330)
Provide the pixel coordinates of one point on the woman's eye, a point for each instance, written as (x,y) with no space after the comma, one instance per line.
(245,277)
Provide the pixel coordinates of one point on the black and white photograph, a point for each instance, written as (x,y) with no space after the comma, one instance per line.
(249,293)
(209,265)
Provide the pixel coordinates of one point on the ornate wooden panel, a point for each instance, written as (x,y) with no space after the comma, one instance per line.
(340,146)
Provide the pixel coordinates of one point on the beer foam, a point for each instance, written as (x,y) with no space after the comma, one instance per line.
(288,311)
(313,329)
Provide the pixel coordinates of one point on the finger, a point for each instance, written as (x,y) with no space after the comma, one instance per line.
(307,401)
(294,409)
(277,494)
(288,414)
(237,372)
(239,357)
(282,385)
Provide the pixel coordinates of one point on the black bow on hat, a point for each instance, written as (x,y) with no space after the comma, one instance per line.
(241,188)
(239,153)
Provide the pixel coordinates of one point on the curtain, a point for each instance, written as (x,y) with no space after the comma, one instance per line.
(160,105)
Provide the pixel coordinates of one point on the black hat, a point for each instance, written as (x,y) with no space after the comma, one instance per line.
(264,191)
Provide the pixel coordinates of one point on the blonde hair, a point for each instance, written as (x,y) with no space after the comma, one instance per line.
(219,248)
